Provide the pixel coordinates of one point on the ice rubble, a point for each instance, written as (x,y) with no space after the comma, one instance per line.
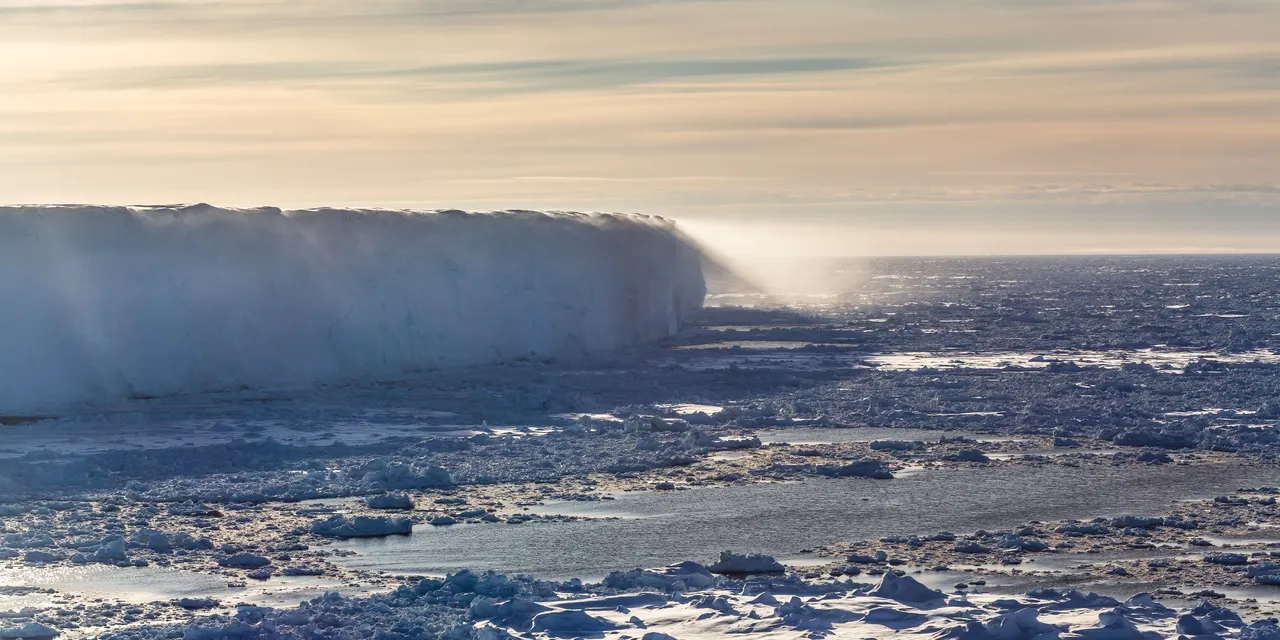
(112,303)
(390,501)
(686,601)
(340,526)
(1265,573)
(29,631)
(737,563)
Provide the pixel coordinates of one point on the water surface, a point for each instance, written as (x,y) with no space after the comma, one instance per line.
(656,529)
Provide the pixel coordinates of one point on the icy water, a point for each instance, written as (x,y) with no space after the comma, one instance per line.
(782,519)
(1170,360)
(151,584)
(804,435)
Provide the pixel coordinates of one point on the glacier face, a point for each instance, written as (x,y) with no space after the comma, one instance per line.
(107,303)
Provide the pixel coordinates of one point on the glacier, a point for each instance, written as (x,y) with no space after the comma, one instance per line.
(107,304)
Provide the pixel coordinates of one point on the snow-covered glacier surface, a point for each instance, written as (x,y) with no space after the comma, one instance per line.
(104,304)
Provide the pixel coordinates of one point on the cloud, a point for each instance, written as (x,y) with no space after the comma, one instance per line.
(744,108)
(515,76)
(254,14)
(1080,194)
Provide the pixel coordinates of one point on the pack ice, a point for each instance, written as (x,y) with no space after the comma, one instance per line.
(104,304)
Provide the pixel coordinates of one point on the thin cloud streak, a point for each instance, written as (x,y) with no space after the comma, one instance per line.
(510,76)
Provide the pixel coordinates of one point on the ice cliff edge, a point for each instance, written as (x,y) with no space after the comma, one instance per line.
(106,303)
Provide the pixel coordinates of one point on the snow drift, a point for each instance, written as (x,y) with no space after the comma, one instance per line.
(103,304)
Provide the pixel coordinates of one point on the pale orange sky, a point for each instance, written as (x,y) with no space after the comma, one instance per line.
(828,126)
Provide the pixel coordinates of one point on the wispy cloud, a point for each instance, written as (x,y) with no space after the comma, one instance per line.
(1078,194)
(507,76)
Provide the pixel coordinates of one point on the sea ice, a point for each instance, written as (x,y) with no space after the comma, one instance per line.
(29,631)
(904,588)
(876,469)
(569,623)
(245,561)
(340,526)
(395,501)
(736,563)
(1266,573)
(1150,376)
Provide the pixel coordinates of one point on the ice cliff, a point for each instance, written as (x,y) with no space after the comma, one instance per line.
(103,304)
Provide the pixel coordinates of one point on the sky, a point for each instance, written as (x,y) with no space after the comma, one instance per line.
(824,127)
